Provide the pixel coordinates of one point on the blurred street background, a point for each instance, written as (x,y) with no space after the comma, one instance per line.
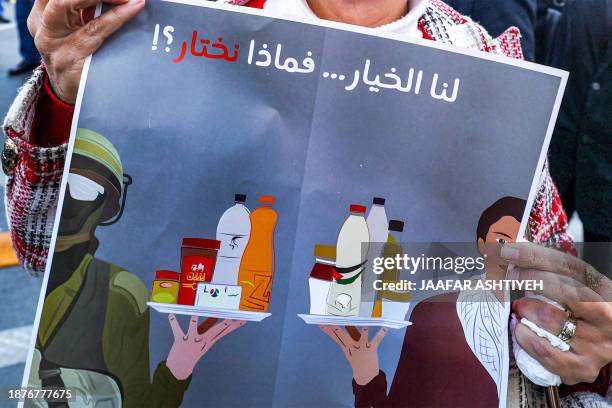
(18,291)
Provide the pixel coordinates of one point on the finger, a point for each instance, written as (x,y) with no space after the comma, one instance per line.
(343,335)
(39,6)
(566,291)
(62,17)
(221,330)
(329,331)
(551,358)
(365,336)
(91,36)
(570,366)
(532,256)
(207,324)
(35,17)
(176,327)
(379,337)
(548,317)
(58,16)
(336,334)
(589,341)
(192,331)
(75,5)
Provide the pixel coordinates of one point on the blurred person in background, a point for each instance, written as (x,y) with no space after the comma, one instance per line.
(581,149)
(30,58)
(547,22)
(3,20)
(496,16)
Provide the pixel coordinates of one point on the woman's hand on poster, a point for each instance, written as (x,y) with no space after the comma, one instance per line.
(581,290)
(190,347)
(65,33)
(361,354)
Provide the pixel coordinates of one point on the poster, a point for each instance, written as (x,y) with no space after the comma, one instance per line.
(213,150)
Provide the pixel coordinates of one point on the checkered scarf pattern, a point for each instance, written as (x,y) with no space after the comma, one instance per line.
(443,23)
(32,188)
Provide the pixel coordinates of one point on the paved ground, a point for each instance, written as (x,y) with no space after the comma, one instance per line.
(18,292)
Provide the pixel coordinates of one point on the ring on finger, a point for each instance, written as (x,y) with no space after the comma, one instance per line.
(569,328)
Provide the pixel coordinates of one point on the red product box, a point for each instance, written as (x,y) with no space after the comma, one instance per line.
(198,259)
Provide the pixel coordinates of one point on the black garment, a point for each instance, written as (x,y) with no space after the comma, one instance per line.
(496,16)
(597,251)
(442,371)
(547,22)
(581,149)
(593,237)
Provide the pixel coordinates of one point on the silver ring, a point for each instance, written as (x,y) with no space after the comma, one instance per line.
(569,329)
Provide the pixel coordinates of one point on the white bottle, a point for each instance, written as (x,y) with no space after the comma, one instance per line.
(378,227)
(233,231)
(351,250)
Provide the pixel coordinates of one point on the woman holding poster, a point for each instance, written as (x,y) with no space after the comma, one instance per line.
(38,127)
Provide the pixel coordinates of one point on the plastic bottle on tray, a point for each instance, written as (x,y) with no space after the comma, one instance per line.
(257,266)
(233,232)
(351,250)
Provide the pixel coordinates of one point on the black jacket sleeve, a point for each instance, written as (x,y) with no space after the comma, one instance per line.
(497,16)
(373,394)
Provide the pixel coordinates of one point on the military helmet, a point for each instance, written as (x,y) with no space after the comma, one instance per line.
(95,157)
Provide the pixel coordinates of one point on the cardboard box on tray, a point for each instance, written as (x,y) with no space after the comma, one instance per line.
(221,296)
(198,258)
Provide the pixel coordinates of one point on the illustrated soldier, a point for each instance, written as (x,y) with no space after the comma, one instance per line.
(93,338)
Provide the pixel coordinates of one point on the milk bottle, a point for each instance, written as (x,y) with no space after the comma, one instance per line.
(378,227)
(351,250)
(233,231)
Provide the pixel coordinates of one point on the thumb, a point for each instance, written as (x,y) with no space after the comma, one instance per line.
(379,337)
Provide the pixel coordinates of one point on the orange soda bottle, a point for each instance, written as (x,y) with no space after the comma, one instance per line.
(257,265)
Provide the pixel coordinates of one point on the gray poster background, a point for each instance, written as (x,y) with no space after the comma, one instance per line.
(193,134)
(438,164)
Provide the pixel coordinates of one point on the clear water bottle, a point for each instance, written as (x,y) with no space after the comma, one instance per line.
(233,231)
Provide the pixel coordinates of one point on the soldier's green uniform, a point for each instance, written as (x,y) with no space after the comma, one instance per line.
(93,336)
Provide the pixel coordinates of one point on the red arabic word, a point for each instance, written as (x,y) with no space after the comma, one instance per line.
(218,49)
